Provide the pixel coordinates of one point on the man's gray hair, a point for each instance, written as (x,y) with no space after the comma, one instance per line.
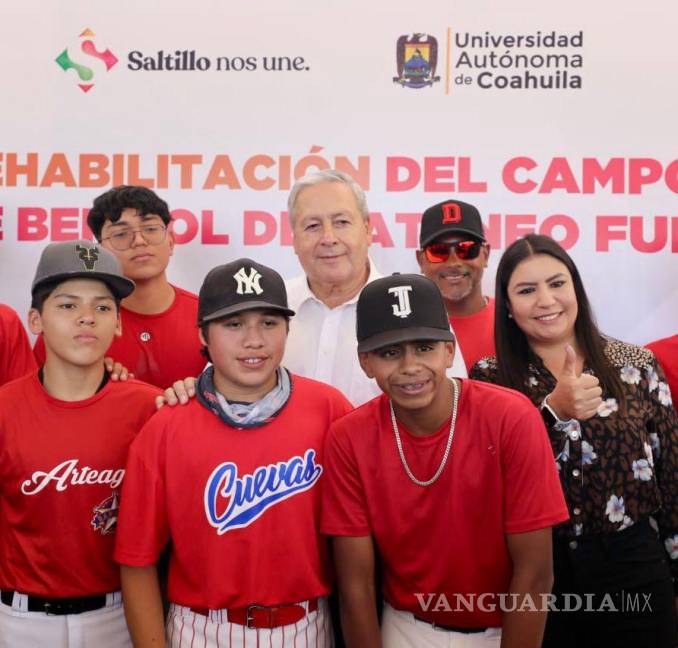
(330,175)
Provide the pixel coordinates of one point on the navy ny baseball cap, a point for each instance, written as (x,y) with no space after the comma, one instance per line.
(400,308)
(81,259)
(238,286)
(450,217)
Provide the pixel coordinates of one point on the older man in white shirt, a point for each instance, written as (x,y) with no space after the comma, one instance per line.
(331,235)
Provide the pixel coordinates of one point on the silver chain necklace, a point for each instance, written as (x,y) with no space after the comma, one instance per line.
(450,436)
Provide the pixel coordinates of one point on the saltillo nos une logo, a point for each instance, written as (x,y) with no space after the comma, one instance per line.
(85,73)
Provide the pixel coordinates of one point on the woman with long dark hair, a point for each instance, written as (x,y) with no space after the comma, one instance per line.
(614,433)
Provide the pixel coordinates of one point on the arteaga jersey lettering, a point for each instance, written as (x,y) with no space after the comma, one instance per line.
(243,504)
(61,470)
(158,349)
(69,473)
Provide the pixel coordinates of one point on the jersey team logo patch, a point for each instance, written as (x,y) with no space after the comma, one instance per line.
(106,515)
(233,502)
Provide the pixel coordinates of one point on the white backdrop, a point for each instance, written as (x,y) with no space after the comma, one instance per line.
(222,144)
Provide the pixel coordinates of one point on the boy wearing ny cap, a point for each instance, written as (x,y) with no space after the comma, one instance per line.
(453,484)
(64,436)
(453,253)
(233,480)
(159,343)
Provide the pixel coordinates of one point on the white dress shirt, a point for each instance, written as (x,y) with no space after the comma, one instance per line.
(322,344)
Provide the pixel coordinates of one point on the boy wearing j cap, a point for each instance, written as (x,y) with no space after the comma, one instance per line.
(451,481)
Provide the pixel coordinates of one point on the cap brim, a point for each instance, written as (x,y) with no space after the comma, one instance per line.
(404,335)
(121,287)
(451,232)
(243,306)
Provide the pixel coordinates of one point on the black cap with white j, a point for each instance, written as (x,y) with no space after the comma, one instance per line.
(400,308)
(238,286)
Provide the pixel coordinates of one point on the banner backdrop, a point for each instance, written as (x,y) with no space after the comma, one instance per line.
(550,117)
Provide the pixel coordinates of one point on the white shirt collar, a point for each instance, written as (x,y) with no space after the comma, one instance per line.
(300,292)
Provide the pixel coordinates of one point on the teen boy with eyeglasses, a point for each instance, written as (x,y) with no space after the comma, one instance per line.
(453,254)
(159,342)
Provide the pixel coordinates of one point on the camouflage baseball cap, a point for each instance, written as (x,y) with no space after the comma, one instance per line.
(81,259)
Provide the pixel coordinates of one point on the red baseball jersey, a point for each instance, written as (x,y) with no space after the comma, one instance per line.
(666,352)
(447,538)
(16,359)
(158,349)
(61,470)
(241,506)
(475,334)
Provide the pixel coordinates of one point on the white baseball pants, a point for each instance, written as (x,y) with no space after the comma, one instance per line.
(187,629)
(400,629)
(104,628)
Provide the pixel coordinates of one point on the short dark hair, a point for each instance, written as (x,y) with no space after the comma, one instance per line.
(110,205)
(513,350)
(42,293)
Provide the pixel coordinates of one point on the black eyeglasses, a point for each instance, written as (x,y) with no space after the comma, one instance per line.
(124,239)
(465,250)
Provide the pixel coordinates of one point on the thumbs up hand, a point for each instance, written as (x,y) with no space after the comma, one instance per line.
(576,396)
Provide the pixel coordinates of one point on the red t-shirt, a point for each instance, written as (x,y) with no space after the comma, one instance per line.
(61,467)
(16,359)
(666,351)
(241,506)
(475,334)
(158,349)
(447,538)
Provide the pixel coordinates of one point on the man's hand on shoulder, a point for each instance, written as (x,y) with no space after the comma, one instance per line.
(178,394)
